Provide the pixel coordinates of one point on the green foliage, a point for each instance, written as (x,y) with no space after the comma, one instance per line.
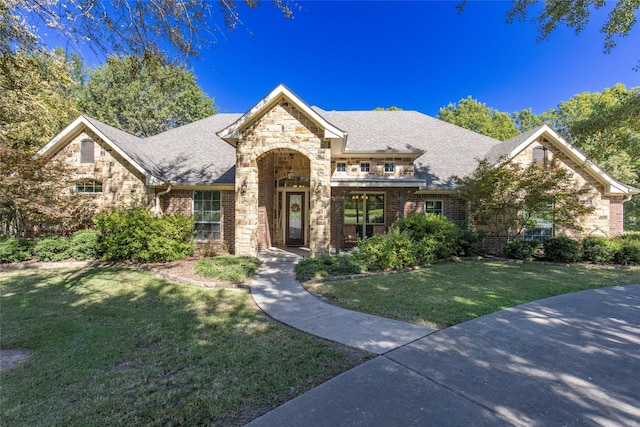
(598,250)
(476,116)
(143,95)
(627,249)
(562,249)
(511,198)
(15,249)
(133,233)
(84,245)
(52,249)
(468,241)
(390,251)
(521,249)
(327,266)
(576,14)
(433,231)
(227,268)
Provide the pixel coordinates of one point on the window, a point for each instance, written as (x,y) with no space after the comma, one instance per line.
(88,187)
(364,211)
(540,155)
(433,207)
(389,167)
(539,233)
(206,210)
(341,167)
(365,167)
(87,149)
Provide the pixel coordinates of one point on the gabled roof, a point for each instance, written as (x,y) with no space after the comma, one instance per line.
(232,133)
(514,146)
(203,153)
(125,144)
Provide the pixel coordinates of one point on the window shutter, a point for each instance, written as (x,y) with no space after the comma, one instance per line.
(86,151)
(540,155)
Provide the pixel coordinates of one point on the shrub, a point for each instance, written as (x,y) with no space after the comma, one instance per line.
(84,245)
(597,250)
(562,249)
(391,251)
(521,249)
(133,233)
(227,268)
(435,230)
(52,249)
(468,241)
(335,265)
(14,249)
(627,250)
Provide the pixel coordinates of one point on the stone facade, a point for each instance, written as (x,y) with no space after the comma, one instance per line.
(282,128)
(121,182)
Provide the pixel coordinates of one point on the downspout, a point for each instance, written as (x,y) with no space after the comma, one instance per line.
(158,195)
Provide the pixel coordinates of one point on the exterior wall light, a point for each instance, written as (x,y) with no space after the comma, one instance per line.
(243,188)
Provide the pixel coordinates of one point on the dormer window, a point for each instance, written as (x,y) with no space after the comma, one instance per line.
(87,149)
(389,167)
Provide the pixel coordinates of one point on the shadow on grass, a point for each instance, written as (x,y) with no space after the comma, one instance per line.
(118,346)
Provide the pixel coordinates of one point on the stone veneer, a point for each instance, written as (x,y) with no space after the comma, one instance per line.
(121,182)
(282,128)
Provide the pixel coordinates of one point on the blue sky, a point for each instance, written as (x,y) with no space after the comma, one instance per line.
(417,55)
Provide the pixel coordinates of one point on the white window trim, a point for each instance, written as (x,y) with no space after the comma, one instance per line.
(391,167)
(84,183)
(338,164)
(193,211)
(368,167)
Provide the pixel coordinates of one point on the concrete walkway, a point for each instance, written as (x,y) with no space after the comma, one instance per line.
(563,361)
(278,294)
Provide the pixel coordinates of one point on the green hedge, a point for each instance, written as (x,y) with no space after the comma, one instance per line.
(52,249)
(14,249)
(133,233)
(562,249)
(521,249)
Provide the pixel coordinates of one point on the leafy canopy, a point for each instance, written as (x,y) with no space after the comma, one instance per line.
(143,96)
(509,198)
(476,116)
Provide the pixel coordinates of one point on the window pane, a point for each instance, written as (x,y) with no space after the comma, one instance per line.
(206,212)
(353,210)
(433,207)
(375,209)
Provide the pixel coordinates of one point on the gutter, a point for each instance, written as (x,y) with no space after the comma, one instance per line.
(162,193)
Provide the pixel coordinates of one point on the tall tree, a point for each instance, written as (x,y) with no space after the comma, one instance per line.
(35,104)
(476,116)
(143,96)
(511,198)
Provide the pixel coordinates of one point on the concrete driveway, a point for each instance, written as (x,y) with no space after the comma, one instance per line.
(570,360)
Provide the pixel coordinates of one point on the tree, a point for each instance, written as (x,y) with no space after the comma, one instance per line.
(509,198)
(35,104)
(576,14)
(143,96)
(476,116)
(35,101)
(137,27)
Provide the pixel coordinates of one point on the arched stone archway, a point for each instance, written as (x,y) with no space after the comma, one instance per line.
(283,128)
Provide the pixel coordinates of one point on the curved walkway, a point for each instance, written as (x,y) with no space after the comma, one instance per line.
(278,294)
(573,359)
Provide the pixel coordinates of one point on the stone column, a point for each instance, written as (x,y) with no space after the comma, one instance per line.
(246,203)
(320,194)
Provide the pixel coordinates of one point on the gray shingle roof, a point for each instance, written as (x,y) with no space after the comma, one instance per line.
(194,154)
(449,150)
(506,147)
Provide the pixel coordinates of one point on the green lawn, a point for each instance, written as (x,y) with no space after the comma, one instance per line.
(121,347)
(445,294)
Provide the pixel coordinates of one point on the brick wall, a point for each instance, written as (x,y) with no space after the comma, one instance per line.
(453,207)
(178,201)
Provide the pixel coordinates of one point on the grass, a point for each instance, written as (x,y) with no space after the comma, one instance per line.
(227,268)
(122,347)
(446,294)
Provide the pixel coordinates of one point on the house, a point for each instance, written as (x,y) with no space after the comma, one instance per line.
(286,173)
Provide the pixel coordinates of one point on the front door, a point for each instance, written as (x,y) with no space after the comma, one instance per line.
(295,219)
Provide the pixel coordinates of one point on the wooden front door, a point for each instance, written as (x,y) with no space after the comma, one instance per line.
(295,219)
